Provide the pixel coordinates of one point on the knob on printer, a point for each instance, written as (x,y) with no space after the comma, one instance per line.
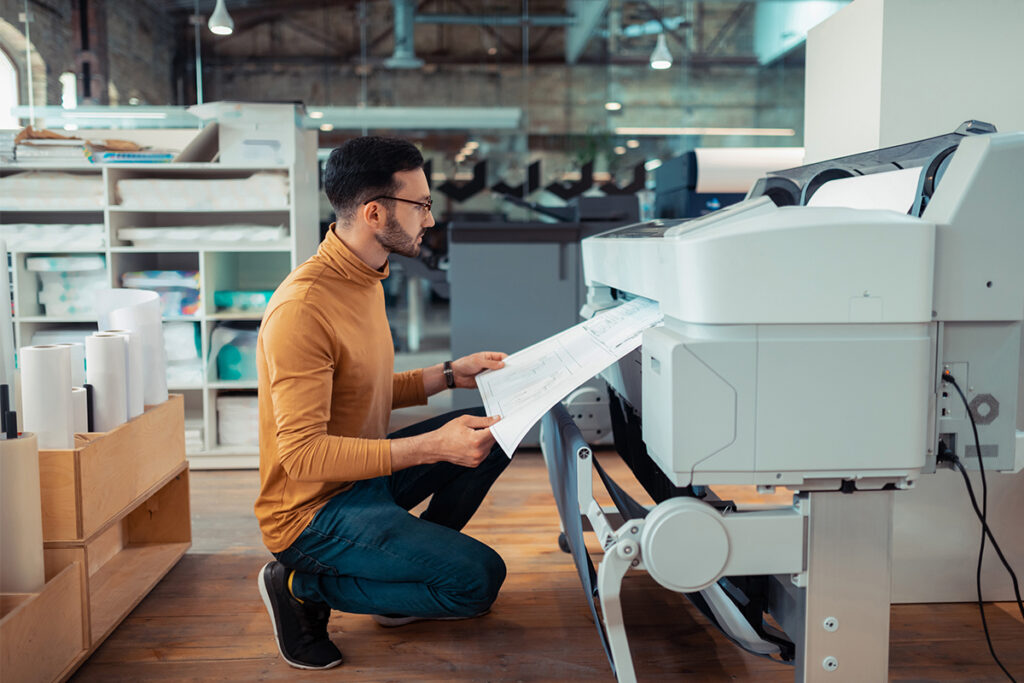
(685,544)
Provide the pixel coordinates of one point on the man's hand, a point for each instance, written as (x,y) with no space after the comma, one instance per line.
(466,369)
(465,441)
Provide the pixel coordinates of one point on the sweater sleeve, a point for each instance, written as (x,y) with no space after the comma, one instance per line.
(297,347)
(407,389)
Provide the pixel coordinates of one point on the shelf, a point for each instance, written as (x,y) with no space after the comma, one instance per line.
(127,209)
(225,458)
(66,250)
(212,168)
(55,319)
(255,317)
(63,209)
(161,249)
(232,384)
(125,580)
(184,387)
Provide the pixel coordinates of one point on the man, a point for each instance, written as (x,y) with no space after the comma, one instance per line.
(335,489)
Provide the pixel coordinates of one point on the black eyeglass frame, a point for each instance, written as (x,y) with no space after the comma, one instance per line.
(424,206)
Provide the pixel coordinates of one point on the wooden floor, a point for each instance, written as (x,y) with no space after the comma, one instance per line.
(206,622)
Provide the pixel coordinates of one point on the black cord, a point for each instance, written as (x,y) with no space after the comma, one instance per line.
(982,515)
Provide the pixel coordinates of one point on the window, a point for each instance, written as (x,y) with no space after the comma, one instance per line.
(8,91)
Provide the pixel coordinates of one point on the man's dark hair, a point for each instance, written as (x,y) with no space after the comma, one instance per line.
(364,168)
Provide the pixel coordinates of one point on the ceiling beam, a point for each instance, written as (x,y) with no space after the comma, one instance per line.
(587,14)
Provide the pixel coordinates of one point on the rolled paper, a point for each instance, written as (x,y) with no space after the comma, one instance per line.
(138,310)
(106,369)
(136,381)
(77,350)
(21,518)
(80,409)
(46,395)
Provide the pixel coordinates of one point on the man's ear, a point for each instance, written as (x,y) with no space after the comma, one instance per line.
(372,213)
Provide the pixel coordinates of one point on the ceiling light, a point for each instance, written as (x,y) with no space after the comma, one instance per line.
(652,164)
(220,21)
(632,143)
(612,105)
(620,150)
(661,58)
(327,127)
(316,114)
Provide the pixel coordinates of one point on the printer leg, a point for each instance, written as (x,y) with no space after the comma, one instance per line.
(609,584)
(846,608)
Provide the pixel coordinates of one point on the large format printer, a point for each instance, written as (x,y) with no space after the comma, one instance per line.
(814,346)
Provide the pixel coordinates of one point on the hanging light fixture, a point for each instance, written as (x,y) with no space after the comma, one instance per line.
(661,58)
(220,21)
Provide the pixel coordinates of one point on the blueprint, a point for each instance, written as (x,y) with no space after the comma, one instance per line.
(539,376)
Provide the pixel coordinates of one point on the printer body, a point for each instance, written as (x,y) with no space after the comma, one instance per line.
(806,344)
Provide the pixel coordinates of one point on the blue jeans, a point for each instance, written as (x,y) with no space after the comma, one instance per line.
(364,553)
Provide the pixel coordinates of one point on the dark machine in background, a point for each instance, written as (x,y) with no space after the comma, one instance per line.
(514,284)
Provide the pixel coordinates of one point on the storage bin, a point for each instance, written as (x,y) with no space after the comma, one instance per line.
(178,289)
(68,284)
(234,349)
(236,301)
(238,421)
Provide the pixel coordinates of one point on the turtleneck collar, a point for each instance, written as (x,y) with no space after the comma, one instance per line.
(336,254)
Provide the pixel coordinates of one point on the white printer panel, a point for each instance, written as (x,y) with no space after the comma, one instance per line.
(786,404)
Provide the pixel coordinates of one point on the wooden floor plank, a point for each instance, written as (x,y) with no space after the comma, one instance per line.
(206,622)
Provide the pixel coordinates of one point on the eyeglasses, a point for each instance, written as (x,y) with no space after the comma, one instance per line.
(424,206)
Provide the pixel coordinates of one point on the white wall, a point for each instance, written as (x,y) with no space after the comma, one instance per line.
(946,61)
(842,95)
(884,72)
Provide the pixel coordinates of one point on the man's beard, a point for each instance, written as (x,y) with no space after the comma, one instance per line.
(396,240)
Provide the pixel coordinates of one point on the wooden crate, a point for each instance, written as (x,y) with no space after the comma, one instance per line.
(41,634)
(105,474)
(124,560)
(115,521)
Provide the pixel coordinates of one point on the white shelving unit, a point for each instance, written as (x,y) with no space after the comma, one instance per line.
(259,267)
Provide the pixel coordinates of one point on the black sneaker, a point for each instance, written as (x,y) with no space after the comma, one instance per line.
(300,628)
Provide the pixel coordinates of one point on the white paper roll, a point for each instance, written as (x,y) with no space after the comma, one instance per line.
(46,395)
(135,370)
(106,366)
(736,169)
(80,410)
(21,519)
(138,310)
(6,327)
(77,362)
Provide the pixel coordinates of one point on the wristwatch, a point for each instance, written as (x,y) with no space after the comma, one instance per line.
(449,375)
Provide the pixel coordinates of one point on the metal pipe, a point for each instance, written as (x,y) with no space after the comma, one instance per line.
(197,22)
(545,20)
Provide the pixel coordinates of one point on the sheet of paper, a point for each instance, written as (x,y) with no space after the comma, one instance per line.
(893,190)
(539,376)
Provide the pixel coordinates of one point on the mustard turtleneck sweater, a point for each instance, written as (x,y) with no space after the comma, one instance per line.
(325,362)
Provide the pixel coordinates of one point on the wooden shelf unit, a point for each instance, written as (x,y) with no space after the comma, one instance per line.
(116,519)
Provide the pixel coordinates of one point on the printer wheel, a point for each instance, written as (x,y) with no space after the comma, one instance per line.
(563,543)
